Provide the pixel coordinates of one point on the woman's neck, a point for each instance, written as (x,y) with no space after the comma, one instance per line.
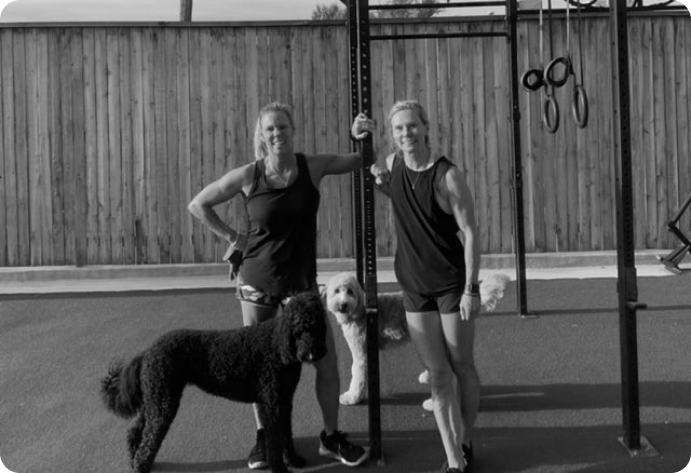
(418,160)
(283,161)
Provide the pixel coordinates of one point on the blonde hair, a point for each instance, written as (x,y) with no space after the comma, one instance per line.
(416,107)
(260,149)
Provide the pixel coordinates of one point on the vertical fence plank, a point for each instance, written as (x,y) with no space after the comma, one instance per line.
(56,165)
(183,195)
(671,154)
(5,158)
(91,145)
(9,178)
(139,155)
(104,239)
(113,57)
(68,159)
(34,162)
(682,41)
(126,146)
(21,150)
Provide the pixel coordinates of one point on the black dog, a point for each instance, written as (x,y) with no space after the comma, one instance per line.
(260,364)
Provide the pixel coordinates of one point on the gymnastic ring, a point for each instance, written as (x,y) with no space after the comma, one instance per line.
(550,71)
(579,107)
(550,114)
(532,80)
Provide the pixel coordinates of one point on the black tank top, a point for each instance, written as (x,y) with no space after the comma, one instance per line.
(280,257)
(429,254)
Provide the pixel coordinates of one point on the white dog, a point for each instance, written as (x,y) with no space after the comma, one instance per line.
(345,299)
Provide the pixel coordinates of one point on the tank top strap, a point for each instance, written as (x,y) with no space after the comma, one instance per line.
(257,180)
(441,166)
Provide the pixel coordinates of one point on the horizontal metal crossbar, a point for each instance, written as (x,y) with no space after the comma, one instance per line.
(419,6)
(489,34)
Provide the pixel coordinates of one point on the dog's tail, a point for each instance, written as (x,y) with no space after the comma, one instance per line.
(492,290)
(121,389)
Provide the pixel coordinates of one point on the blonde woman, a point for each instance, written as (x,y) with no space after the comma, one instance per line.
(436,270)
(279,251)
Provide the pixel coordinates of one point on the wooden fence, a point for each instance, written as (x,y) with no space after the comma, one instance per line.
(108,131)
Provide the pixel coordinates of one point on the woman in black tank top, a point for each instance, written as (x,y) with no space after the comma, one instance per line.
(438,273)
(277,254)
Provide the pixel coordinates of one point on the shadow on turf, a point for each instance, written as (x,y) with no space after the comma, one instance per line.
(508,449)
(582,396)
(594,311)
(562,396)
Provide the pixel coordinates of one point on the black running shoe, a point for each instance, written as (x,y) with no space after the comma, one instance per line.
(257,459)
(337,446)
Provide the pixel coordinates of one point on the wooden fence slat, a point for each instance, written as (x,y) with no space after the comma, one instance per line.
(4,202)
(671,155)
(115,196)
(183,195)
(207,120)
(104,239)
(91,145)
(9,178)
(68,157)
(34,161)
(682,42)
(21,151)
(126,146)
(139,153)
(56,155)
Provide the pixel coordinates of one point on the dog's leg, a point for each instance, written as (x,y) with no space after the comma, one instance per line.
(357,343)
(134,436)
(285,420)
(159,411)
(271,413)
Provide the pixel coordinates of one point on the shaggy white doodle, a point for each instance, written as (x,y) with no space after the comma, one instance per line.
(345,299)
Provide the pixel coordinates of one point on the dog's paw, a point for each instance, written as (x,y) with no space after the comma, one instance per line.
(350,399)
(424,377)
(428,405)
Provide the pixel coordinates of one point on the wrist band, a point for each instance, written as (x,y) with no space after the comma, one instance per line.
(472,288)
(470,294)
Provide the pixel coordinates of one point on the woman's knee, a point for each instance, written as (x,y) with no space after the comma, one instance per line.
(465,369)
(327,367)
(440,380)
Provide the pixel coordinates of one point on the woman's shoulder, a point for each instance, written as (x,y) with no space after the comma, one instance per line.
(389,160)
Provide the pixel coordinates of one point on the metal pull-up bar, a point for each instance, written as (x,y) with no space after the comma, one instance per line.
(487,34)
(422,6)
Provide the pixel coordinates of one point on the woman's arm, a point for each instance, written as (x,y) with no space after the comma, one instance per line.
(460,201)
(382,175)
(219,191)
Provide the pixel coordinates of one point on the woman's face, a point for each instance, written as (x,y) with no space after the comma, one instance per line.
(409,132)
(277,133)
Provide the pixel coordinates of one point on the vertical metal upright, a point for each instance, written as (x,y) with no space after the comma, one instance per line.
(358,19)
(627,286)
(517,164)
(355,107)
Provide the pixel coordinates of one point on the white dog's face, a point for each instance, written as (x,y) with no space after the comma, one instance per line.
(344,298)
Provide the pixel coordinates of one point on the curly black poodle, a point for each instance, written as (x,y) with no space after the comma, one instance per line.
(259,364)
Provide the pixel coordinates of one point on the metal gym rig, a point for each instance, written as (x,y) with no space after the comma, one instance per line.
(363,191)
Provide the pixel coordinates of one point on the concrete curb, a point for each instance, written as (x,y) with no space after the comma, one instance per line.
(489,262)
